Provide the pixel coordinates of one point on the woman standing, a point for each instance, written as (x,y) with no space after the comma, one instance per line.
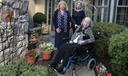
(61,21)
(78,15)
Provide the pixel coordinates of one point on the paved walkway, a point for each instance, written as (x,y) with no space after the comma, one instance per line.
(81,70)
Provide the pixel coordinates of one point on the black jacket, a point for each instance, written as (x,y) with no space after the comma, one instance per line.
(77,17)
(55,22)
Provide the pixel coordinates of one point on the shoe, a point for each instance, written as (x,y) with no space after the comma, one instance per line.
(60,70)
(53,66)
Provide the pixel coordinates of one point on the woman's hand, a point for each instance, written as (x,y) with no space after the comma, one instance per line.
(76,26)
(71,42)
(58,30)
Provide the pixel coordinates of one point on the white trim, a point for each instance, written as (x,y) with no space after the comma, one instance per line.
(51,13)
(47,12)
(112,11)
(116,11)
(71,6)
(96,4)
(102,6)
(123,6)
(102,12)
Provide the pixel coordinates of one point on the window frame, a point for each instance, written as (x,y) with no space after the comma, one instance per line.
(118,6)
(102,7)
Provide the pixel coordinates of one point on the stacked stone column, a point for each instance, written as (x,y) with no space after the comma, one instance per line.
(13,34)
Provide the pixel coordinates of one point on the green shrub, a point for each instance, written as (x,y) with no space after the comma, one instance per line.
(39,18)
(102,33)
(36,71)
(20,68)
(118,51)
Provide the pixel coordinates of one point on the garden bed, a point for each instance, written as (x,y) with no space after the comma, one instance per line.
(20,68)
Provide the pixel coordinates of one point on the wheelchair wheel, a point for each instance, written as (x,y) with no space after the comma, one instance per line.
(91,64)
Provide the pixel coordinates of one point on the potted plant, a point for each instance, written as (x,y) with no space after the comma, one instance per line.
(31,55)
(47,49)
(39,18)
(101,70)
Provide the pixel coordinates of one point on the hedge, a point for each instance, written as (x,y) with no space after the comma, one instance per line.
(20,68)
(102,32)
(118,51)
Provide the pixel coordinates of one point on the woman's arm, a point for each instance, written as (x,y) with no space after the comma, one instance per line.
(69,20)
(73,19)
(83,14)
(55,19)
(75,35)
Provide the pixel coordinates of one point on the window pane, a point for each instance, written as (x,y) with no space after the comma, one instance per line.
(122,16)
(102,10)
(105,2)
(102,14)
(102,2)
(99,15)
(99,2)
(123,2)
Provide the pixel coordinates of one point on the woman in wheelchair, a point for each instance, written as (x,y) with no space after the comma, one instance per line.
(81,39)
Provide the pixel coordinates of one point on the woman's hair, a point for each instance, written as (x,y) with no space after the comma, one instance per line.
(78,2)
(62,2)
(87,18)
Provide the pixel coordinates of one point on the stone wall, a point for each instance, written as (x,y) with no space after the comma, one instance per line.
(13,30)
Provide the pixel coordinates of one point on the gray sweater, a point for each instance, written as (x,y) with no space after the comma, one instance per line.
(83,36)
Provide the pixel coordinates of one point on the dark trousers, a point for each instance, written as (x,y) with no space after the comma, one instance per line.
(65,51)
(59,38)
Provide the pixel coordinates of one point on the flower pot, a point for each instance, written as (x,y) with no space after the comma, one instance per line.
(30,59)
(46,55)
(109,74)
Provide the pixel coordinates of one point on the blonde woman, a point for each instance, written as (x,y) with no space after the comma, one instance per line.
(77,15)
(61,21)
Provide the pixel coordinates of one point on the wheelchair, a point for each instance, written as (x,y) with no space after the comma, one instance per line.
(86,58)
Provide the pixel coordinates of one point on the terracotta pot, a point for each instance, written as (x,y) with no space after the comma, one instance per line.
(46,55)
(30,59)
(109,74)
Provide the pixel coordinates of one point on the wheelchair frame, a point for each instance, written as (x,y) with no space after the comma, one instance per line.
(89,60)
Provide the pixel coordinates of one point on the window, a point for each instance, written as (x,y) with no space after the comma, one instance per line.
(102,2)
(102,14)
(122,12)
(123,2)
(102,10)
(50,10)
